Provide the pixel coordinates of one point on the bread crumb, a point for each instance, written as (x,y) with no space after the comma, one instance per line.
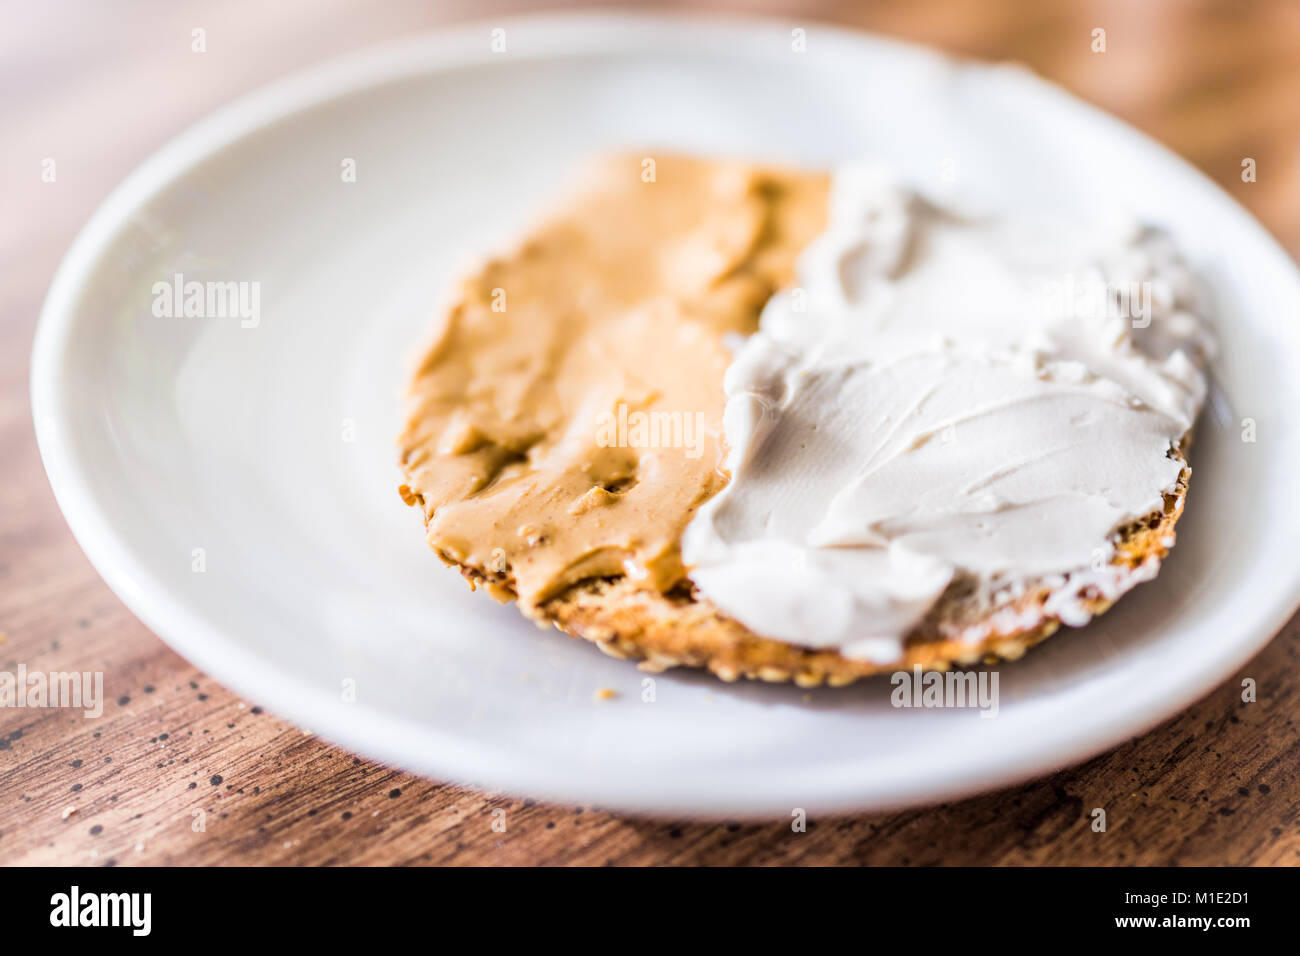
(67,812)
(606,693)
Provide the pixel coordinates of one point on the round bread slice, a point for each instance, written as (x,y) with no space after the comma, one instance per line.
(624,299)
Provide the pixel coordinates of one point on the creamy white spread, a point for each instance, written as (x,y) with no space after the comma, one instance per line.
(943,395)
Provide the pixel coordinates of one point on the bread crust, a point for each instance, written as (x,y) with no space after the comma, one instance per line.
(678,629)
(454,467)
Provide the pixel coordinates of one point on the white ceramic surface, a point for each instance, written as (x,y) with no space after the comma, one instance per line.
(166,435)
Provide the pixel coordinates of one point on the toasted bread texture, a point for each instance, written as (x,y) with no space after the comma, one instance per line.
(677,629)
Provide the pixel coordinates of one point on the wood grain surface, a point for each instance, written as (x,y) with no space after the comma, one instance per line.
(179,771)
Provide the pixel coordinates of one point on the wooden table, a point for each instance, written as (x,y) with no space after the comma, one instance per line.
(178,770)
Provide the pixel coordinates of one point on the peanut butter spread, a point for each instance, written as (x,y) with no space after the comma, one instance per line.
(566,423)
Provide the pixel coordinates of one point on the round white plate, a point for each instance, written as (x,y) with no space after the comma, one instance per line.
(206,467)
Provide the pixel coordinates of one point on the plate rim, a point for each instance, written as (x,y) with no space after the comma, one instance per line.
(202,643)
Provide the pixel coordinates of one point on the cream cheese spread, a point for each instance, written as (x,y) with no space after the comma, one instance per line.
(945,397)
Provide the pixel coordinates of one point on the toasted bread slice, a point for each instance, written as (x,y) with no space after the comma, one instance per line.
(586,538)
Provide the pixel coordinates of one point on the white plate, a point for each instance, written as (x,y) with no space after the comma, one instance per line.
(166,435)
